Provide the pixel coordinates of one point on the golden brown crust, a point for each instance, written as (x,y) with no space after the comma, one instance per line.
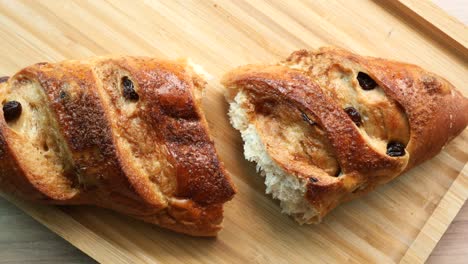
(436,113)
(18,179)
(72,94)
(76,93)
(177,117)
(17,183)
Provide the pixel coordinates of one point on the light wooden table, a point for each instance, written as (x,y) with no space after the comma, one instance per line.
(23,240)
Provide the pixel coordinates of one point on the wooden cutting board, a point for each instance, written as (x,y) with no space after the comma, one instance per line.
(401,221)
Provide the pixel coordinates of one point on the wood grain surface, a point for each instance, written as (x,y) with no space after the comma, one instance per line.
(403,219)
(453,247)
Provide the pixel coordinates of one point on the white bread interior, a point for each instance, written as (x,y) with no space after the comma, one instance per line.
(287,188)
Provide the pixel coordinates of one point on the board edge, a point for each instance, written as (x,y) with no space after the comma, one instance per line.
(441,218)
(435,22)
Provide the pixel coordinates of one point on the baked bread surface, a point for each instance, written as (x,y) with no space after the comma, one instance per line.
(125,133)
(327,126)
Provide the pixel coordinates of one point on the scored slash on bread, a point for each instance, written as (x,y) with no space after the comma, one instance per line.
(327,126)
(125,133)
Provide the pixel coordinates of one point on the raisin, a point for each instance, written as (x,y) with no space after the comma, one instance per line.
(395,149)
(63,95)
(354,115)
(129,92)
(11,110)
(365,81)
(4,79)
(313,179)
(338,172)
(307,119)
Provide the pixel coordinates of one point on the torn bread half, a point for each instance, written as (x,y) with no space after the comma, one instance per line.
(125,133)
(327,126)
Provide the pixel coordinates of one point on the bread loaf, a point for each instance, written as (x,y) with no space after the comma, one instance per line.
(125,133)
(327,126)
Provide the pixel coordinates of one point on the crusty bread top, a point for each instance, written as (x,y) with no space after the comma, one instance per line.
(410,105)
(436,111)
(151,158)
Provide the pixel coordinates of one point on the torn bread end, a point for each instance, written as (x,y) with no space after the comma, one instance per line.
(287,188)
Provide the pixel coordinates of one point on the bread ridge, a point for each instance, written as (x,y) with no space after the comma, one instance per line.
(75,94)
(434,110)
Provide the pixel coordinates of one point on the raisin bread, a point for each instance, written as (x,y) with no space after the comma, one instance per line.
(125,133)
(327,126)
